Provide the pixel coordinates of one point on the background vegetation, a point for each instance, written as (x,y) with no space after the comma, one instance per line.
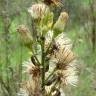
(81,28)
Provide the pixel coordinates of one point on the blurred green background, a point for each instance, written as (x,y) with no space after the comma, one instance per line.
(81,29)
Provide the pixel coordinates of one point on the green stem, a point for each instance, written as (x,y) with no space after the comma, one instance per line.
(43,68)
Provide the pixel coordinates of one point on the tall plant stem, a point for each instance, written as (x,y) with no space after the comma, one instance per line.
(43,68)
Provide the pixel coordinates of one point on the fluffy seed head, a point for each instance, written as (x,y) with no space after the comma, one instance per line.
(62,57)
(31,69)
(63,41)
(68,76)
(30,87)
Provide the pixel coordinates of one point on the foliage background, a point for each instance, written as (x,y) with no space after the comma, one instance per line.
(81,28)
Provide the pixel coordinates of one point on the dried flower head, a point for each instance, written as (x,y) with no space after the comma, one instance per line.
(38,10)
(30,88)
(61,22)
(27,87)
(68,76)
(31,69)
(63,41)
(60,42)
(53,2)
(63,57)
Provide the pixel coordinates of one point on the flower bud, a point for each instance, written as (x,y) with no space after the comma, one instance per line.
(61,22)
(25,35)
